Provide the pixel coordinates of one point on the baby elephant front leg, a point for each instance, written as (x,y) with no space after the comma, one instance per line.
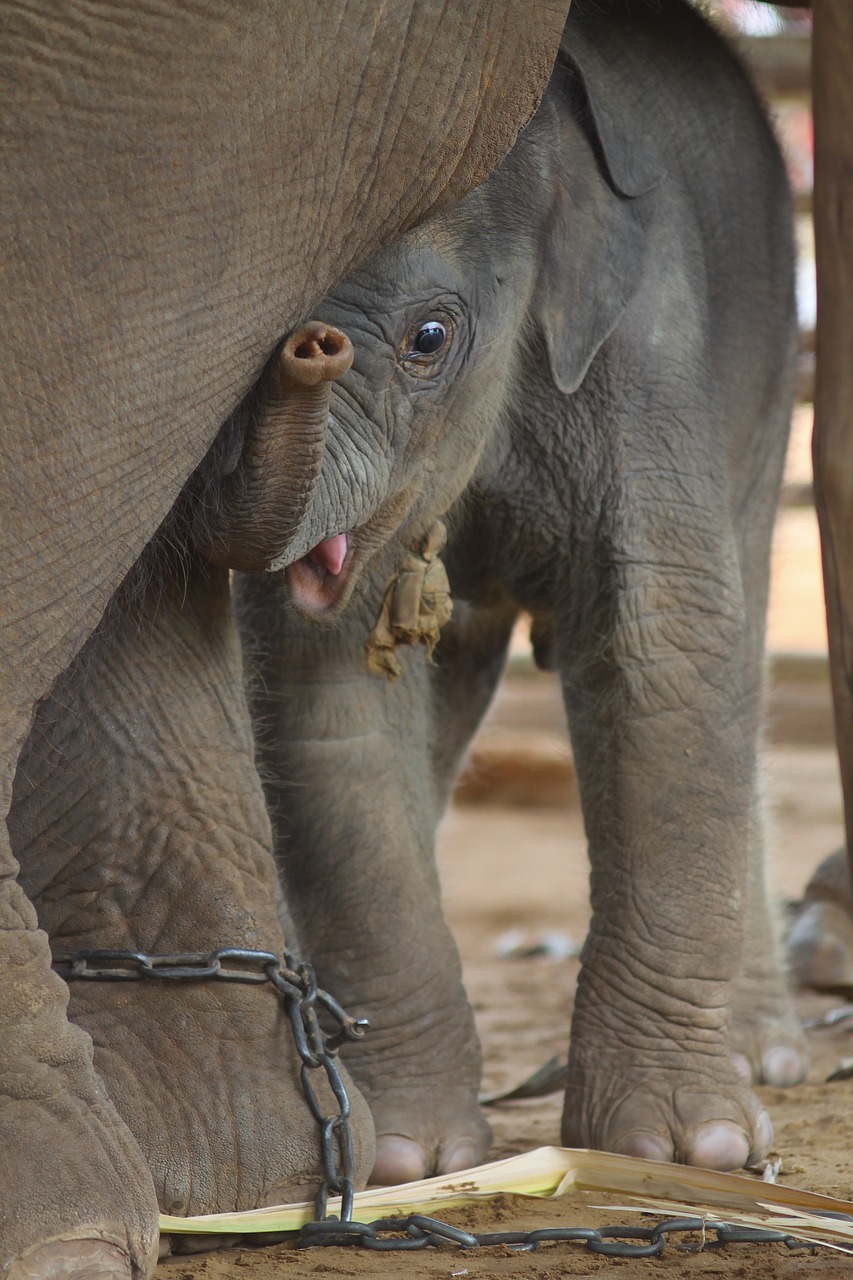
(664,722)
(346,764)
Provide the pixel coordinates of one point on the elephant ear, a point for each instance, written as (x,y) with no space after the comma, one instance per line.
(595,239)
(613,105)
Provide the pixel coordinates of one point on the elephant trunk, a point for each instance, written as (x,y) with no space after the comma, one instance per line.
(257,508)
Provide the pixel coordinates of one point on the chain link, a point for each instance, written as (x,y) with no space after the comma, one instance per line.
(296,983)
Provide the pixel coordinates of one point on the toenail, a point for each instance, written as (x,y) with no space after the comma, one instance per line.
(398,1159)
(462,1154)
(782,1066)
(643,1145)
(720,1146)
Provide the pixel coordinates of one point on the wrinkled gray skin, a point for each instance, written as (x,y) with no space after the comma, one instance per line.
(820,939)
(180,184)
(607,425)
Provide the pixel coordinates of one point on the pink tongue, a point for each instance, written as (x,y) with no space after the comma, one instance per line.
(331,553)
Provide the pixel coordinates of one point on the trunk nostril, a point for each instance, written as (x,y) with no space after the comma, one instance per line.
(331,344)
(307,351)
(315,353)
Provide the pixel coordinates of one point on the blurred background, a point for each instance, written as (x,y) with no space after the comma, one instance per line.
(776,44)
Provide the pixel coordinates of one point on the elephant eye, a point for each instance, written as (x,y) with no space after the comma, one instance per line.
(426,345)
(429,338)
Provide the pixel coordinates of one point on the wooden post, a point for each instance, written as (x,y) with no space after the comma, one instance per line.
(832,446)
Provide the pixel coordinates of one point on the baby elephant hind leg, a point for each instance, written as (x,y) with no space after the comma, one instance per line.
(768,1043)
(140,823)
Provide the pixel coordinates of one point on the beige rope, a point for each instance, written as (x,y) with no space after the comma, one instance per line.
(416,606)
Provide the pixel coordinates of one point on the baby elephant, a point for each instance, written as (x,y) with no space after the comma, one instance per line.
(587,365)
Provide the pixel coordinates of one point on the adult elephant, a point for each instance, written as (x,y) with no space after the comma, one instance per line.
(180,184)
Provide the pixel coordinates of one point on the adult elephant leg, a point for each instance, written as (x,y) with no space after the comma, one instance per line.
(356,772)
(140,824)
(832,444)
(653,651)
(77,1197)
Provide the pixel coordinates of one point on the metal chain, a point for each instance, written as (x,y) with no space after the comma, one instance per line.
(420,1232)
(296,983)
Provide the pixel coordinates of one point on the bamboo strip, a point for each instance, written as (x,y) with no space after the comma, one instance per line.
(556,1171)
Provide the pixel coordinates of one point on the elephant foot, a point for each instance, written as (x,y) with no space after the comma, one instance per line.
(820,939)
(73,1259)
(402,1159)
(660,1089)
(207,1078)
(820,946)
(77,1203)
(77,1198)
(711,1121)
(140,822)
(768,1049)
(768,1044)
(429,1132)
(419,1068)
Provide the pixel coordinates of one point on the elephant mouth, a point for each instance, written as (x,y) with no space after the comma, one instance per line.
(318,581)
(322,581)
